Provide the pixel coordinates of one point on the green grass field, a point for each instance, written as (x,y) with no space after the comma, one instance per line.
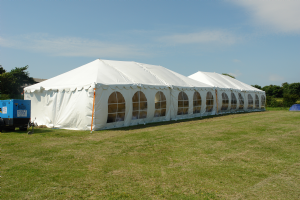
(239,156)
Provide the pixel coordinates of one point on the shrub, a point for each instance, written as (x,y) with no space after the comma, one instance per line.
(4,96)
(272,102)
(290,99)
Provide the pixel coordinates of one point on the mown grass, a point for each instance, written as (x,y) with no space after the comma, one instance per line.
(241,156)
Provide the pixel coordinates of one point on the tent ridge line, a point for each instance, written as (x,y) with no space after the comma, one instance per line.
(122,74)
(141,65)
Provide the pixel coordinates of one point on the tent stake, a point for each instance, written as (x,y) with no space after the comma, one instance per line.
(93,110)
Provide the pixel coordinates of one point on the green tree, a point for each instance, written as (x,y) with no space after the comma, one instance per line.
(294,88)
(257,86)
(273,90)
(2,70)
(228,75)
(11,83)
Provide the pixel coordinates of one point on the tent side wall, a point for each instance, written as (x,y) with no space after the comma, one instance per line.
(62,109)
(101,106)
(171,95)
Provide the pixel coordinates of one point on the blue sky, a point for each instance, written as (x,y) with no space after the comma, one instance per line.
(257,41)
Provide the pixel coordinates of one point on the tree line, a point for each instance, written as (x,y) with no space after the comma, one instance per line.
(289,92)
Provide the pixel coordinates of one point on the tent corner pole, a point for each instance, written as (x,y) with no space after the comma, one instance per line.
(93,110)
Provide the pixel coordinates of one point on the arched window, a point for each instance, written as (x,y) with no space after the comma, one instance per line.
(233,101)
(256,102)
(263,101)
(225,101)
(250,101)
(183,104)
(139,105)
(241,102)
(116,107)
(209,102)
(197,103)
(160,105)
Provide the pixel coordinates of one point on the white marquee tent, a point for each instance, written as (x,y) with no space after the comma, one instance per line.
(233,95)
(122,94)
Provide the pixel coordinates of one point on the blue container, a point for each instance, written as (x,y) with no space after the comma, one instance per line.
(15,112)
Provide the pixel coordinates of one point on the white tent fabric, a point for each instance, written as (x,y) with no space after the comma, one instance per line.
(66,101)
(230,85)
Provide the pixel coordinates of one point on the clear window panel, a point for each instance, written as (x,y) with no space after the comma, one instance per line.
(157,97)
(185,111)
(135,97)
(163,112)
(199,102)
(121,107)
(143,114)
(186,103)
(112,108)
(180,103)
(209,108)
(157,105)
(143,105)
(163,104)
(142,97)
(180,111)
(120,117)
(113,98)
(157,113)
(163,98)
(185,97)
(135,106)
(180,97)
(196,96)
(194,109)
(120,98)
(111,118)
(116,111)
(135,115)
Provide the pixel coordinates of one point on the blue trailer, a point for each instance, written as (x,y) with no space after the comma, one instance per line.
(14,113)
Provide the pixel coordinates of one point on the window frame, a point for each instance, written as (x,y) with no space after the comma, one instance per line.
(256,101)
(225,102)
(250,106)
(117,112)
(210,106)
(196,106)
(241,99)
(183,104)
(162,105)
(233,101)
(139,102)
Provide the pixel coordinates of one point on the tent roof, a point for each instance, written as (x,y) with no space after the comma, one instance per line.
(222,81)
(116,73)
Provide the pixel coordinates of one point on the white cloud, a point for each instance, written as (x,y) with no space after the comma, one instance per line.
(69,46)
(279,15)
(274,77)
(236,60)
(215,36)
